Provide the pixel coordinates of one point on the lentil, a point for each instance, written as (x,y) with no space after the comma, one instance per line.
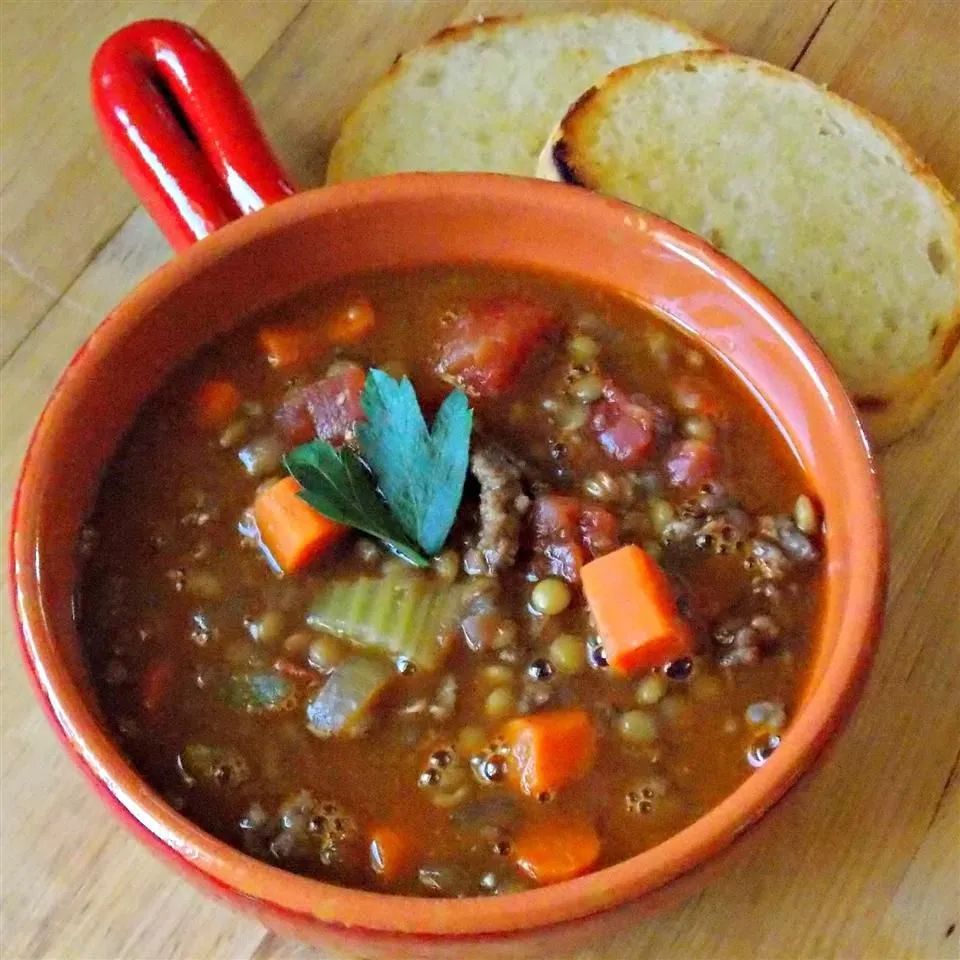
(203,584)
(588,388)
(651,689)
(637,726)
(234,432)
(568,653)
(699,427)
(500,703)
(471,740)
(805,515)
(550,597)
(583,349)
(267,628)
(661,514)
(705,687)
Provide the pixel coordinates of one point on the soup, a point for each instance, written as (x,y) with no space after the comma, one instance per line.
(533,641)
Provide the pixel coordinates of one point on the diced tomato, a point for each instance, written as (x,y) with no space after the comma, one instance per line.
(556,528)
(599,531)
(568,534)
(293,418)
(334,404)
(485,346)
(691,463)
(694,394)
(625,425)
(328,409)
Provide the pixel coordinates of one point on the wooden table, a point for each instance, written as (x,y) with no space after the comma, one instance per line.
(862,860)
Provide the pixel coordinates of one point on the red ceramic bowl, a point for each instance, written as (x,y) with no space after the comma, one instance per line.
(193,185)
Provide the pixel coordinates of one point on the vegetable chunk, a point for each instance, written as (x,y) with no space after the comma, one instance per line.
(403,614)
(560,848)
(294,344)
(293,533)
(329,409)
(391,852)
(215,403)
(549,750)
(625,426)
(691,463)
(635,612)
(290,345)
(351,323)
(342,706)
(567,534)
(488,343)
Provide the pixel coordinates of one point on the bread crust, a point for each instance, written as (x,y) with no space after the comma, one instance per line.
(902,404)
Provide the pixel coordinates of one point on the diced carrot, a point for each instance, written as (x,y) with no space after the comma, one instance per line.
(155,684)
(391,852)
(635,611)
(300,342)
(215,402)
(292,344)
(549,750)
(351,323)
(290,529)
(556,849)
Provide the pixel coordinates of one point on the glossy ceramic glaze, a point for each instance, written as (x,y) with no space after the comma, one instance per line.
(405,221)
(151,83)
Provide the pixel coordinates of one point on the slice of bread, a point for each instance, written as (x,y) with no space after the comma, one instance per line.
(485,95)
(820,200)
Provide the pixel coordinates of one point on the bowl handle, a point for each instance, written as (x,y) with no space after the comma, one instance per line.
(182,130)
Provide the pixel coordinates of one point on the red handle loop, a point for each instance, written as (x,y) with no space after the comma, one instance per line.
(182,130)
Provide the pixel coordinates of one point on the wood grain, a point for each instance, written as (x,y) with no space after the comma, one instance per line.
(60,202)
(860,860)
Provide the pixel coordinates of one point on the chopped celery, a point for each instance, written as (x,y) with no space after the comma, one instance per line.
(404,614)
(342,706)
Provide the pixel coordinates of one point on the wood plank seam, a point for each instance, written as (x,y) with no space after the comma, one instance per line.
(813,36)
(945,790)
(61,296)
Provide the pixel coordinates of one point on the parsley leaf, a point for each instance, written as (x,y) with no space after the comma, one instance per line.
(420,473)
(338,485)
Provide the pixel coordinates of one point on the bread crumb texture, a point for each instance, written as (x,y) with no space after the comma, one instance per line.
(484,96)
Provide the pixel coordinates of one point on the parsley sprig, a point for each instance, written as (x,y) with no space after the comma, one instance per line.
(407,483)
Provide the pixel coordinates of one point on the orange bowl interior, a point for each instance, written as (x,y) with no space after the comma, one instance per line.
(402,222)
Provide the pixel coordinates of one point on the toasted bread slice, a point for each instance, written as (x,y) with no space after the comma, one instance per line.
(822,201)
(485,95)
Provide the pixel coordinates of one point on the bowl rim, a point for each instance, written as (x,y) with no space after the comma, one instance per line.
(297,896)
